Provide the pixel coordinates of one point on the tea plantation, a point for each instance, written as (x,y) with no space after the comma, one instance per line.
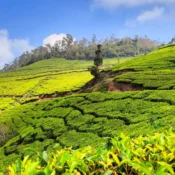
(150,155)
(85,119)
(45,77)
(62,125)
(155,70)
(34,79)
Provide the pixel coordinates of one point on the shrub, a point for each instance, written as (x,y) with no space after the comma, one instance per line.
(145,155)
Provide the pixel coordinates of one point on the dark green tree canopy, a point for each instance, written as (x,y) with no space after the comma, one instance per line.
(98,61)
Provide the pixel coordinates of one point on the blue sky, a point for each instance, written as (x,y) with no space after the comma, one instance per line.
(24,24)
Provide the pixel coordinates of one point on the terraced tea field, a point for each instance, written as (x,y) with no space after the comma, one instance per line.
(45,77)
(87,118)
(31,80)
(155,70)
(7,102)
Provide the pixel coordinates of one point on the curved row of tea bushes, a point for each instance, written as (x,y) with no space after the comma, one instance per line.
(84,119)
(152,71)
(145,155)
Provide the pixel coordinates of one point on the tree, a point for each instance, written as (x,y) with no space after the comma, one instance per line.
(98,61)
(84,49)
(172,41)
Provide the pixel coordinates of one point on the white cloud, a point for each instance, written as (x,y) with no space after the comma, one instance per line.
(145,16)
(5,48)
(128,3)
(51,39)
(9,48)
(153,14)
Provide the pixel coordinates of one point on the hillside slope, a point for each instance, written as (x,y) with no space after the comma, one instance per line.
(44,77)
(88,119)
(154,71)
(53,77)
(85,119)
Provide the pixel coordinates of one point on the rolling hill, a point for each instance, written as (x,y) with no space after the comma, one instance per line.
(86,119)
(53,77)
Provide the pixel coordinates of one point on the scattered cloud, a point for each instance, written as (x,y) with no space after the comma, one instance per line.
(145,16)
(9,48)
(128,3)
(153,14)
(51,39)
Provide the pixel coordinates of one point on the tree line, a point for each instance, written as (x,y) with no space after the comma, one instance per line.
(84,49)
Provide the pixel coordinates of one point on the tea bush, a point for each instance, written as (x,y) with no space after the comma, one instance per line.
(70,120)
(146,155)
(6,103)
(51,76)
(152,71)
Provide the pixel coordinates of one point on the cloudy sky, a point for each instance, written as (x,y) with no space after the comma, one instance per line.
(26,24)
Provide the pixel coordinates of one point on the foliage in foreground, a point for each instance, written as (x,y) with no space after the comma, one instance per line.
(150,155)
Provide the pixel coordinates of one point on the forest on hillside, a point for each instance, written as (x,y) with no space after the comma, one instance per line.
(85,50)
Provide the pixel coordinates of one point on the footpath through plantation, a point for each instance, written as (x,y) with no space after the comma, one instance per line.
(81,133)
